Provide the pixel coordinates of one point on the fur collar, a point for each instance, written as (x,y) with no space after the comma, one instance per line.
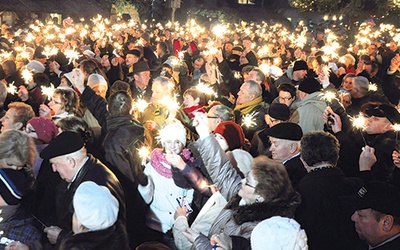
(263,210)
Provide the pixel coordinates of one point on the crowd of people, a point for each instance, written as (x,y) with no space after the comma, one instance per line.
(121,136)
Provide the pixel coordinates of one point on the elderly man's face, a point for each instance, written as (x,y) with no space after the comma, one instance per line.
(244,94)
(280,149)
(367,226)
(65,166)
(377,125)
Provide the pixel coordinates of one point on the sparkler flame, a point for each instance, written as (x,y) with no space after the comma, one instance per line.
(48,91)
(248,120)
(144,154)
(12,89)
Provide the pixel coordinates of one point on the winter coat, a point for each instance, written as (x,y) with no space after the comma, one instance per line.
(311,111)
(328,201)
(114,237)
(235,219)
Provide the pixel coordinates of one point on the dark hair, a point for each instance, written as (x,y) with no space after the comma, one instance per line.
(77,125)
(119,85)
(288,88)
(273,180)
(69,98)
(119,104)
(319,146)
(41,79)
(163,46)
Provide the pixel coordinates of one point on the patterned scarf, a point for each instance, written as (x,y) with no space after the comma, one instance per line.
(245,108)
(157,158)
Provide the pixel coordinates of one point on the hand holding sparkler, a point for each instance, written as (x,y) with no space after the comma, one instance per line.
(45,111)
(396,158)
(367,158)
(332,120)
(395,63)
(23,93)
(200,122)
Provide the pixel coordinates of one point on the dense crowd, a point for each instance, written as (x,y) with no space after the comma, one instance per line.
(119,135)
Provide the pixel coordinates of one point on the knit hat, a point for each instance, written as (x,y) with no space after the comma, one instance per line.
(89,53)
(35,66)
(65,143)
(243,159)
(300,65)
(45,129)
(96,79)
(278,233)
(286,130)
(232,132)
(140,66)
(134,52)
(380,197)
(279,111)
(310,85)
(172,62)
(95,207)
(172,132)
(12,185)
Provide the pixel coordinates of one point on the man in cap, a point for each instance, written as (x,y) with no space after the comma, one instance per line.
(377,132)
(285,147)
(67,155)
(377,218)
(260,143)
(294,75)
(140,85)
(312,105)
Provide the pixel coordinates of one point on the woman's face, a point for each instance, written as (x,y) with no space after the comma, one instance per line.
(247,190)
(56,104)
(174,146)
(189,101)
(348,83)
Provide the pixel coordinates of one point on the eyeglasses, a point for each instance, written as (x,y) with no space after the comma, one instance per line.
(285,99)
(212,117)
(248,184)
(56,102)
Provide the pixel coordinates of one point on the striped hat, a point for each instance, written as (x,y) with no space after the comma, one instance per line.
(12,185)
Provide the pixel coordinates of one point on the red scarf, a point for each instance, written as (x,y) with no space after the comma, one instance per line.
(191,110)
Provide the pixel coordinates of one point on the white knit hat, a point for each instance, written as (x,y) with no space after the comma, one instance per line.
(89,53)
(95,207)
(243,159)
(172,132)
(35,66)
(96,79)
(278,233)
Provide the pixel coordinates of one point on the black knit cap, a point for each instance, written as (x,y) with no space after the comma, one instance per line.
(380,197)
(286,130)
(279,111)
(300,65)
(65,143)
(310,85)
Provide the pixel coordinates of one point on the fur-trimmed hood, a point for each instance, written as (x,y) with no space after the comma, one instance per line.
(263,210)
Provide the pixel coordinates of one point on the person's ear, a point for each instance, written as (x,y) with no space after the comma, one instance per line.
(387,223)
(18,126)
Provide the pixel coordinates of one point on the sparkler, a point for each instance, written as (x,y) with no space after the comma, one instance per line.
(27,75)
(140,105)
(329,96)
(359,122)
(372,87)
(144,154)
(12,89)
(206,89)
(248,120)
(48,92)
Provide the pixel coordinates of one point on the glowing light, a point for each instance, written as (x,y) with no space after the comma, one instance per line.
(359,121)
(144,154)
(12,89)
(48,91)
(248,120)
